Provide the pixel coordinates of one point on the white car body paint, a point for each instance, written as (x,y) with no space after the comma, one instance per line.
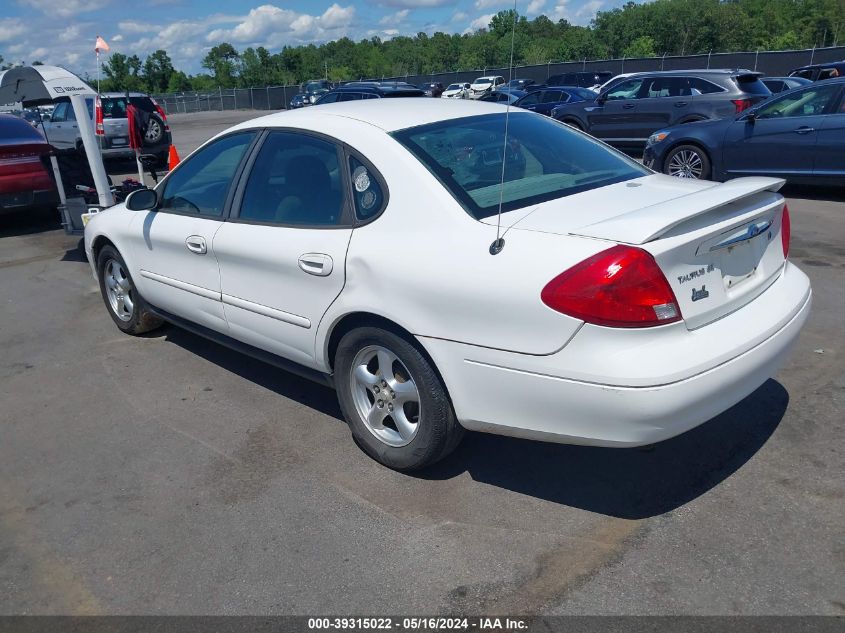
(511,365)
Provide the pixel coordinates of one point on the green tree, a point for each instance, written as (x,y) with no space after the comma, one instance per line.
(643,46)
(223,62)
(157,71)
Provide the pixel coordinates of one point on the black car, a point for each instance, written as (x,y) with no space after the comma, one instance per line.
(629,111)
(782,84)
(582,79)
(357,90)
(797,135)
(310,91)
(433,89)
(547,99)
(820,72)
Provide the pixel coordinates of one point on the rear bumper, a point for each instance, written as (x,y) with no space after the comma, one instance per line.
(11,203)
(606,393)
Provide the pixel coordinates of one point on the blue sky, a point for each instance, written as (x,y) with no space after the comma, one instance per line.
(63,31)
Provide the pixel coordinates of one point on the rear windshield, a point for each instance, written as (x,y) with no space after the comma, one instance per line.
(752,85)
(16,130)
(544,160)
(115,107)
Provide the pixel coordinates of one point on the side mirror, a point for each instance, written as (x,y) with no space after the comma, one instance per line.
(601,98)
(142,200)
(45,117)
(751,117)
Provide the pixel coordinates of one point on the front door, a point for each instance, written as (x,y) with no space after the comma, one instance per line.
(779,138)
(612,116)
(173,245)
(282,254)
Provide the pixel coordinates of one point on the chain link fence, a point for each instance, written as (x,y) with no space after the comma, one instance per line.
(773,63)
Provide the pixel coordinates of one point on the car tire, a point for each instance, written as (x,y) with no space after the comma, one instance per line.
(400,416)
(574,124)
(154,133)
(124,303)
(687,161)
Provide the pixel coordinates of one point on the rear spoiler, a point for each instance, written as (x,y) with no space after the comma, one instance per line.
(648,223)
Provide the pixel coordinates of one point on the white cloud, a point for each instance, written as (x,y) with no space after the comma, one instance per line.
(65,8)
(392,19)
(459,16)
(487,4)
(482,22)
(271,26)
(10,28)
(535,7)
(117,38)
(582,15)
(416,4)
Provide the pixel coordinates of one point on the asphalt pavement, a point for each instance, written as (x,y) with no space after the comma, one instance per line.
(165,474)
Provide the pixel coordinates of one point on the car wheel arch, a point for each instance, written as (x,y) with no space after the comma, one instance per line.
(99,242)
(354,320)
(694,143)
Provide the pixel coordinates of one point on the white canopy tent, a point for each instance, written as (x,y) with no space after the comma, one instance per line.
(40,85)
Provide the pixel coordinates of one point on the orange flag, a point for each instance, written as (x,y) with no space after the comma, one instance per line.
(100,45)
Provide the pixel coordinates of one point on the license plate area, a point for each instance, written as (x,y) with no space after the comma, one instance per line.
(118,140)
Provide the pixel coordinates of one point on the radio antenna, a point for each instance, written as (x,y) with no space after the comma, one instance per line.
(497,246)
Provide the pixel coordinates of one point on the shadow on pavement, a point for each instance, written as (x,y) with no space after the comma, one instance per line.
(29,221)
(302,390)
(630,483)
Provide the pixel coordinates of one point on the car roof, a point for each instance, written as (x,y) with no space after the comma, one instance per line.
(389,115)
(820,65)
(123,94)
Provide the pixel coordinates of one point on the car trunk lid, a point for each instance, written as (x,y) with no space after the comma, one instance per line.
(718,245)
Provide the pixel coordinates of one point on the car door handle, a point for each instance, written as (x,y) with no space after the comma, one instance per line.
(318,264)
(681,104)
(628,106)
(805,130)
(196,244)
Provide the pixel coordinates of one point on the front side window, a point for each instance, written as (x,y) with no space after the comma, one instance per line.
(809,102)
(543,160)
(201,184)
(626,90)
(60,112)
(295,181)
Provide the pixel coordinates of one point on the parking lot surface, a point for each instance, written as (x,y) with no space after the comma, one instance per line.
(166,474)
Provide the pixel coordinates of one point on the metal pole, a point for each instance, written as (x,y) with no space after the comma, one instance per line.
(221,98)
(756,56)
(662,60)
(708,58)
(812,54)
(267,88)
(92,150)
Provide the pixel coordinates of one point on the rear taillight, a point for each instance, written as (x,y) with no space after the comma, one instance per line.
(620,287)
(785,231)
(161,113)
(98,117)
(741,104)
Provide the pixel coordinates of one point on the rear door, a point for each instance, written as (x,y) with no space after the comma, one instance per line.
(60,132)
(282,255)
(781,138)
(830,146)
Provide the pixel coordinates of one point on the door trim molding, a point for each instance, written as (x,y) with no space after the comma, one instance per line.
(182,285)
(267,311)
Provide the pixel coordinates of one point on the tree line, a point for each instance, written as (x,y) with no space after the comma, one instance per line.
(671,27)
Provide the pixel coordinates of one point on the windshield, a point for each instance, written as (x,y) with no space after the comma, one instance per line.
(454,87)
(544,160)
(484,80)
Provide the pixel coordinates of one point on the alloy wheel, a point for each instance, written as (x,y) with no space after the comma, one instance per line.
(385,395)
(686,164)
(119,290)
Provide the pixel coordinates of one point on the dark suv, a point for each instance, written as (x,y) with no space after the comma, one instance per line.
(357,90)
(629,111)
(819,72)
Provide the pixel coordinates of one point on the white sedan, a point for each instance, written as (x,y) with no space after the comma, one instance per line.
(356,243)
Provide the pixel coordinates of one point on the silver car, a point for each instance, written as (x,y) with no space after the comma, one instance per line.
(62,129)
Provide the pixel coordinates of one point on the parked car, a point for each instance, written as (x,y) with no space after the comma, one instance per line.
(62,130)
(631,110)
(483,85)
(302,238)
(433,89)
(544,101)
(505,98)
(25,181)
(522,85)
(357,90)
(782,84)
(456,91)
(798,135)
(309,92)
(583,79)
(820,72)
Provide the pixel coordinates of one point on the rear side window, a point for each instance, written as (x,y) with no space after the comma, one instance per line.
(366,190)
(703,87)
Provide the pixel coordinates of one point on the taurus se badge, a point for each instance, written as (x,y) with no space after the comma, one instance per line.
(700,294)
